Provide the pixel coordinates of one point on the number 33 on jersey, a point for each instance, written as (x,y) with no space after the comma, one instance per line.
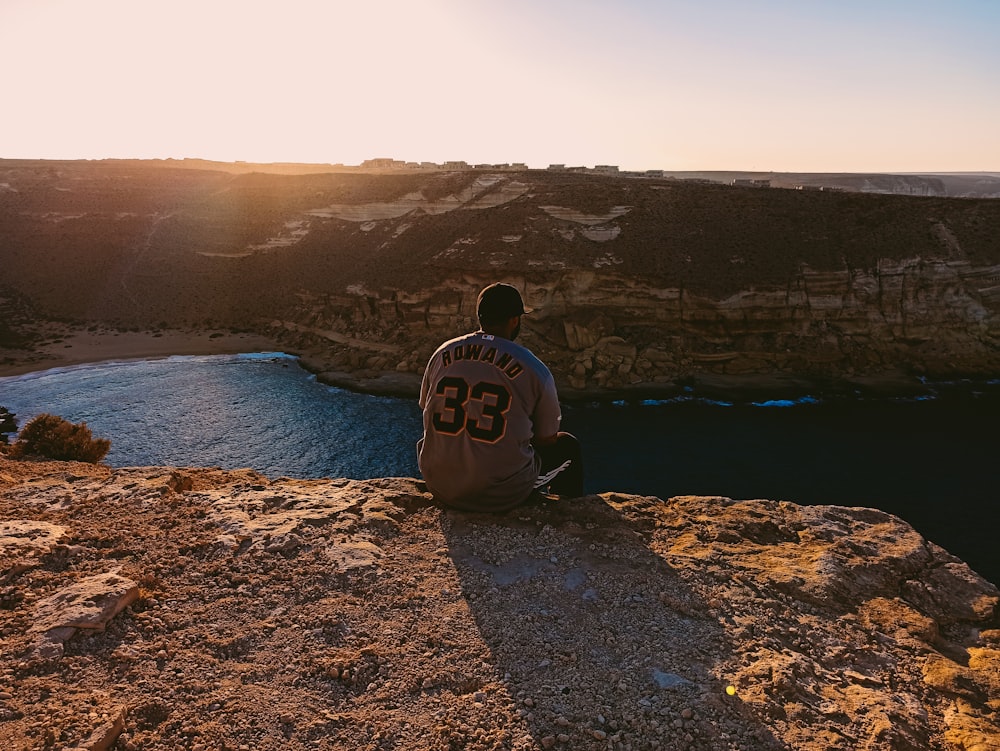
(487,423)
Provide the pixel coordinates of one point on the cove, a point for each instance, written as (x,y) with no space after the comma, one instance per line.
(931,461)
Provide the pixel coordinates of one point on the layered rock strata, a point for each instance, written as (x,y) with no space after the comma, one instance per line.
(605,331)
(636,284)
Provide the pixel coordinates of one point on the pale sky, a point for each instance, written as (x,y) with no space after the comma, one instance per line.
(776,85)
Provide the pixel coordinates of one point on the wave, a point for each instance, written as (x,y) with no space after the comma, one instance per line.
(102,365)
(956,391)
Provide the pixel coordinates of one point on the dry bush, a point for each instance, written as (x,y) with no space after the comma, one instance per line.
(53,437)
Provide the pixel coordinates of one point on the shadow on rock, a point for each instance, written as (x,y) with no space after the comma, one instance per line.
(597,638)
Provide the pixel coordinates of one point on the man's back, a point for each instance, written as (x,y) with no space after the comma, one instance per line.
(483,399)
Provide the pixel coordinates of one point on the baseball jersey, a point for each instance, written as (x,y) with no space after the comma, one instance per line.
(483,399)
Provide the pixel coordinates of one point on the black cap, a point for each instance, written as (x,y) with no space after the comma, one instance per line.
(498,302)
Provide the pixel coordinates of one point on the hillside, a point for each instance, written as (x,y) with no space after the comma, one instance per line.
(157,608)
(635,283)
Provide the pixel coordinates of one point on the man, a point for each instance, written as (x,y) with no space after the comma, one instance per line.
(491,417)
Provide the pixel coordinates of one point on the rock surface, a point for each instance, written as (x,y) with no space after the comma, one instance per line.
(339,614)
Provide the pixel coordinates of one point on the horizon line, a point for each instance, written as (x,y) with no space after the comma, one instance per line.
(507,165)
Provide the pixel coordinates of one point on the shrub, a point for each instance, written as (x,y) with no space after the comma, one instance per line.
(55,438)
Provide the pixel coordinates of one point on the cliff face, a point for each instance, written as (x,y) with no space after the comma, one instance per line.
(600,330)
(634,282)
(144,608)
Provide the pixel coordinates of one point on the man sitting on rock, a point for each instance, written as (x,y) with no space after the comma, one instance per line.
(491,417)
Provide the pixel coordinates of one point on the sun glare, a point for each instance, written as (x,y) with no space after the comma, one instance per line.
(640,85)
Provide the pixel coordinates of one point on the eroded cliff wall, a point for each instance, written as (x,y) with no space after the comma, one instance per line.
(925,317)
(634,283)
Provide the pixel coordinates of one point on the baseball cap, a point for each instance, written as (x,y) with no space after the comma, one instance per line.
(499,302)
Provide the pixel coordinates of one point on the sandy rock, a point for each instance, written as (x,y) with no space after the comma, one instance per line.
(89,603)
(22,542)
(103,738)
(19,536)
(355,554)
(346,614)
(899,619)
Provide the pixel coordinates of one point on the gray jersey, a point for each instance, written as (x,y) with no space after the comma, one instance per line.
(483,399)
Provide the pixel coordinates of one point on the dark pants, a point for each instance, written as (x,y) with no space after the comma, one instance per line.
(562,467)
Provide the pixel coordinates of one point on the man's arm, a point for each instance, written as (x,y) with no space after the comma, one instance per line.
(547,416)
(425,384)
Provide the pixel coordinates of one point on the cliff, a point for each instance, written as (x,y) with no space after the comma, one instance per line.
(159,608)
(642,284)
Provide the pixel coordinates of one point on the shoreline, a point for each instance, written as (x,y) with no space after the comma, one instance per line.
(69,347)
(72,347)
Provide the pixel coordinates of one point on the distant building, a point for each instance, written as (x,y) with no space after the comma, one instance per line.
(557,167)
(606,169)
(459,165)
(749,183)
(382,163)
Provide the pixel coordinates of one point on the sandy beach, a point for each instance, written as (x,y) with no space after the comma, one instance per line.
(73,347)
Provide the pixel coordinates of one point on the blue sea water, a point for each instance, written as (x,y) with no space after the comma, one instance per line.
(931,461)
(257,410)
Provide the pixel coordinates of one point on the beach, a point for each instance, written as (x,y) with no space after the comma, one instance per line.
(65,347)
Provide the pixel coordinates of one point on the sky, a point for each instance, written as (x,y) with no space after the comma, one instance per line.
(762,85)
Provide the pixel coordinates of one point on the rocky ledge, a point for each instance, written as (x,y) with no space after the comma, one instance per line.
(163,608)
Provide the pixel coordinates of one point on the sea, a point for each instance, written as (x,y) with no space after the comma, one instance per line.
(932,460)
